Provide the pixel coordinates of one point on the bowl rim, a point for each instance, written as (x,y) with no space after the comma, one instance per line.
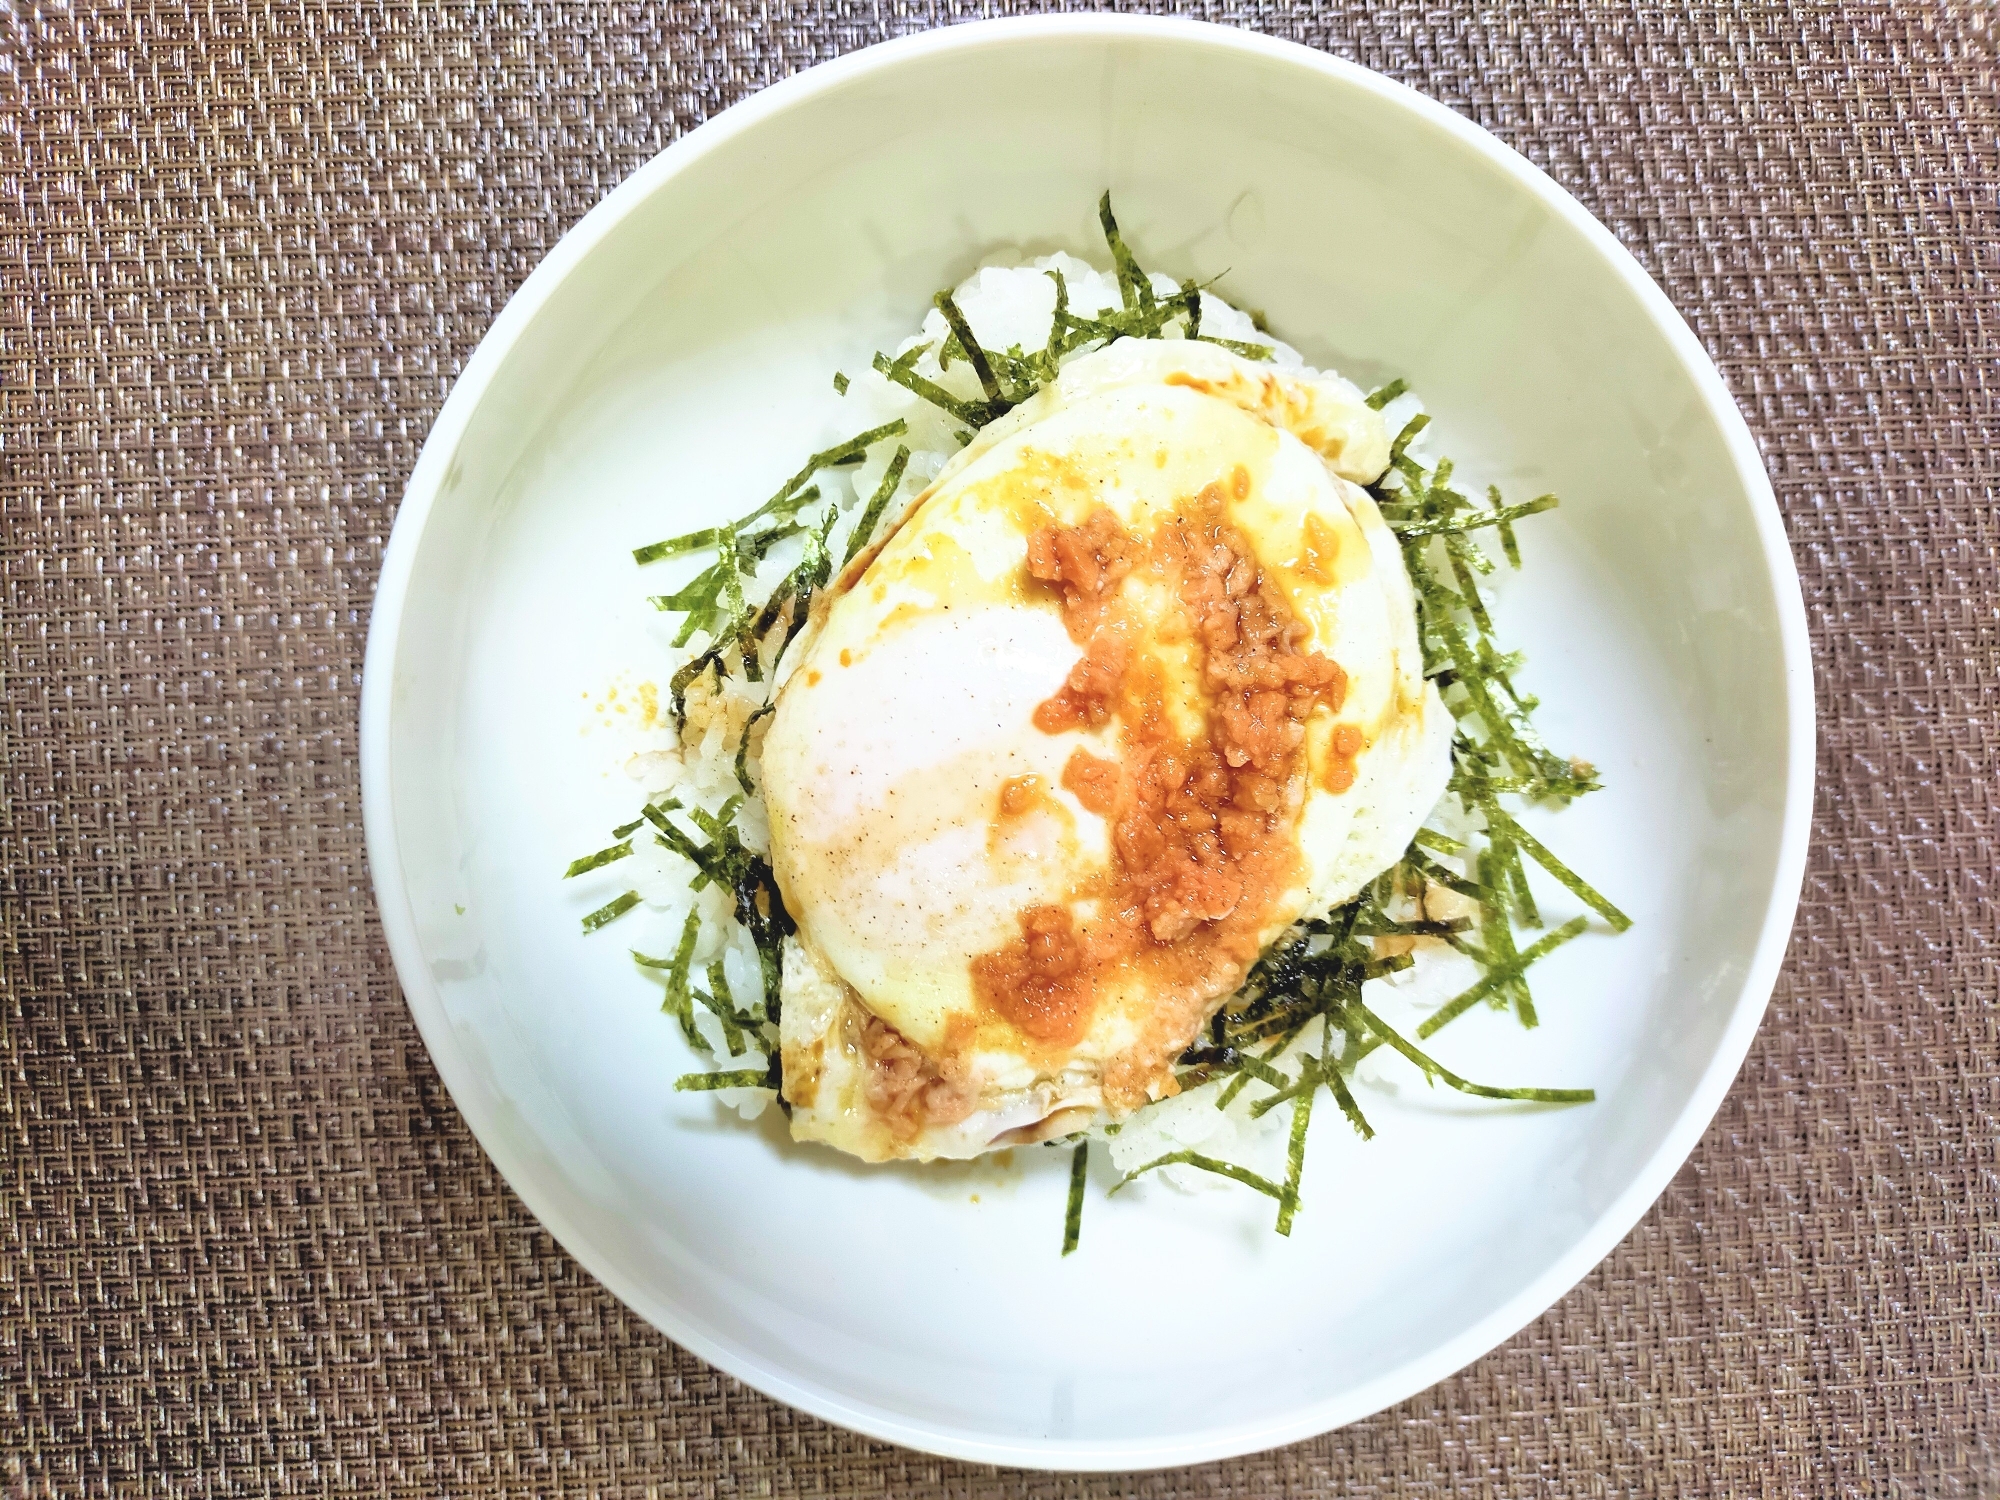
(1473,1342)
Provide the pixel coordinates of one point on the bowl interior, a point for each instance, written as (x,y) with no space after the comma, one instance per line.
(672,365)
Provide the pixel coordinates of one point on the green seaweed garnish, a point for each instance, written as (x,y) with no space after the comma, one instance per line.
(1438,843)
(1508,542)
(1259,352)
(1250,1067)
(1010,376)
(1133,284)
(598,860)
(902,370)
(1384,395)
(723,1078)
(1257,1068)
(611,911)
(1336,1081)
(1227,1169)
(975,354)
(1577,886)
(1408,435)
(715,602)
(1505,967)
(1437,874)
(1295,1150)
(1456,526)
(1432,1069)
(720,1003)
(1309,1081)
(779,504)
(839,384)
(743,749)
(1191,304)
(1079,1165)
(1497,928)
(871,516)
(679,1000)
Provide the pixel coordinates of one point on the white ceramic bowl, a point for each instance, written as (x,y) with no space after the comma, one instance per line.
(670,361)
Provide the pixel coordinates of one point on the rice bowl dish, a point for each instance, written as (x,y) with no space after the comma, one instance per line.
(669,365)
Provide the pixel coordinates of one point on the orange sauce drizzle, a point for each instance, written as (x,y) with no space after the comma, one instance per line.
(1203,827)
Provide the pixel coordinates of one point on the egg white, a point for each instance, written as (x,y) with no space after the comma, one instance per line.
(908,703)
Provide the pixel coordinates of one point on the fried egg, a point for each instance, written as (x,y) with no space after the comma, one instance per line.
(1133,687)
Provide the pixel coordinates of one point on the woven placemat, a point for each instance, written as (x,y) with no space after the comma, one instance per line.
(247,1245)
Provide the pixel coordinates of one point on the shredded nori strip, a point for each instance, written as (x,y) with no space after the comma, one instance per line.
(1079,1164)
(1344,1096)
(1498,975)
(1508,543)
(1133,284)
(1438,843)
(903,372)
(848,452)
(1258,352)
(1227,1169)
(1249,1068)
(679,1000)
(1404,438)
(725,1078)
(1431,870)
(1191,303)
(871,516)
(1525,910)
(1432,1069)
(1467,562)
(611,911)
(598,860)
(720,1003)
(1382,397)
(743,749)
(1295,1151)
(1258,1069)
(1497,928)
(1443,526)
(1536,850)
(975,353)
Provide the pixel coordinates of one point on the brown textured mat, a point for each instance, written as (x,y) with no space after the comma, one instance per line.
(246,1244)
